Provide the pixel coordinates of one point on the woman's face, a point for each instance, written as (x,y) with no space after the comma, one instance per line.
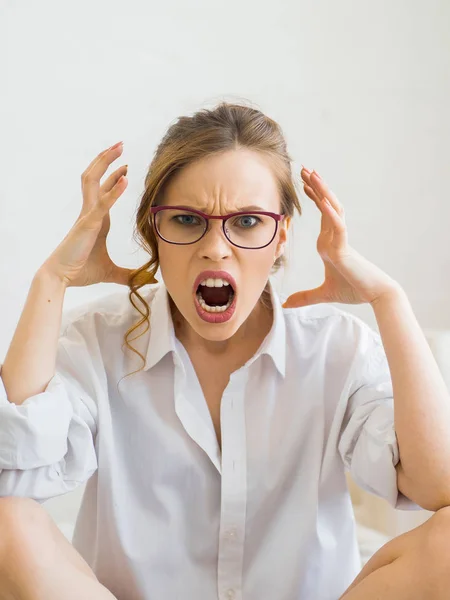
(220,185)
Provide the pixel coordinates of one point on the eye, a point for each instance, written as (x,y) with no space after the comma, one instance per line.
(191,222)
(247,221)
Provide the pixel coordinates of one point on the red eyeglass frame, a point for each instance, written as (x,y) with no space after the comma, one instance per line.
(277,217)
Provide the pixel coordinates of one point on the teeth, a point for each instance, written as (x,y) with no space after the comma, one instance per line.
(214,282)
(214,309)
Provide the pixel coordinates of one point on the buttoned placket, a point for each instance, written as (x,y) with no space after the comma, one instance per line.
(231,463)
(234,488)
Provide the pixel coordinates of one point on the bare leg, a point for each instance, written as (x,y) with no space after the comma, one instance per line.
(412,566)
(37,562)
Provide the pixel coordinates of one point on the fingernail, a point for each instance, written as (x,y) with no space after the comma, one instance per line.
(317,174)
(116,145)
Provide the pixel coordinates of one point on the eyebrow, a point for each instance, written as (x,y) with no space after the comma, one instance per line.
(241,209)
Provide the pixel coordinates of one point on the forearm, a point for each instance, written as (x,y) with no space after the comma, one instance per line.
(31,358)
(421,404)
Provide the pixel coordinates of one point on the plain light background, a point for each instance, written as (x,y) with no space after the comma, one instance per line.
(360,89)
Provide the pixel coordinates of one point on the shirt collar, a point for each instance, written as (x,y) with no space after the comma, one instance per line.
(162,334)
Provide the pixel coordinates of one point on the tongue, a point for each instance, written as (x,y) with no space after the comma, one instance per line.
(215,296)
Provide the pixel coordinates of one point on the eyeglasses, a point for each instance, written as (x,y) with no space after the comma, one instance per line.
(249,230)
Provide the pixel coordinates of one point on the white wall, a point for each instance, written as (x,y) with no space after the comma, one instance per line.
(361,90)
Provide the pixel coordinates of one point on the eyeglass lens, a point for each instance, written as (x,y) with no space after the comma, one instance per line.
(184,227)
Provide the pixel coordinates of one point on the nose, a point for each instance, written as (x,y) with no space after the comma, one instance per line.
(214,244)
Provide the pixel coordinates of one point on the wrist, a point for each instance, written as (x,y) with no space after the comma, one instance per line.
(45,276)
(395,293)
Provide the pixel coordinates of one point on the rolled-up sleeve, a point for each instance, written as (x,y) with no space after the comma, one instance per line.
(47,443)
(368,442)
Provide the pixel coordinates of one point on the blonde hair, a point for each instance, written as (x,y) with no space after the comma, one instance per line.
(228,126)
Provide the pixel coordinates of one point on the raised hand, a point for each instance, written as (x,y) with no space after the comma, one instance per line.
(349,277)
(82,257)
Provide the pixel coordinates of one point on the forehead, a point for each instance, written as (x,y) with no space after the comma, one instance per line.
(229,181)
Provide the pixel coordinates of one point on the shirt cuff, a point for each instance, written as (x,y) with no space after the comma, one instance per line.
(375,457)
(34,433)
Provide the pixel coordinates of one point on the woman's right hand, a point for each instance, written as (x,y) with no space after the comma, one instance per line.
(82,257)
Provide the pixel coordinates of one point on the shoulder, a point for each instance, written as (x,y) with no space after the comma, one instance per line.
(105,315)
(331,326)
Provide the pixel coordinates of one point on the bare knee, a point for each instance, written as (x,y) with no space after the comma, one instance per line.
(19,513)
(423,553)
(34,554)
(432,546)
(26,532)
(436,535)
(20,516)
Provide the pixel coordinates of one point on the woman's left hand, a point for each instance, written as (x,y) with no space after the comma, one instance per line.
(349,277)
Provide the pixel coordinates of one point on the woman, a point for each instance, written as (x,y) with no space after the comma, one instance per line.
(217,468)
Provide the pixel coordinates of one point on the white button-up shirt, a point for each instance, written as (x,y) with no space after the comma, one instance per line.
(166,513)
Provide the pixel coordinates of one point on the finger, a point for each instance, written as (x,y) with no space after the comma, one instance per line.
(310,192)
(90,179)
(312,179)
(113,179)
(101,208)
(336,225)
(322,190)
(327,222)
(99,156)
(106,202)
(333,220)
(306,297)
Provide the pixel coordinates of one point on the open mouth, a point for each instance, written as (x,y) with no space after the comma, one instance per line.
(215,298)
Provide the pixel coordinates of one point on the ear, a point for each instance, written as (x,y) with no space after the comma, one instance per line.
(283,237)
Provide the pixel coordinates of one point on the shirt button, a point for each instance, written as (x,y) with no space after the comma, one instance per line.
(230,594)
(231,534)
